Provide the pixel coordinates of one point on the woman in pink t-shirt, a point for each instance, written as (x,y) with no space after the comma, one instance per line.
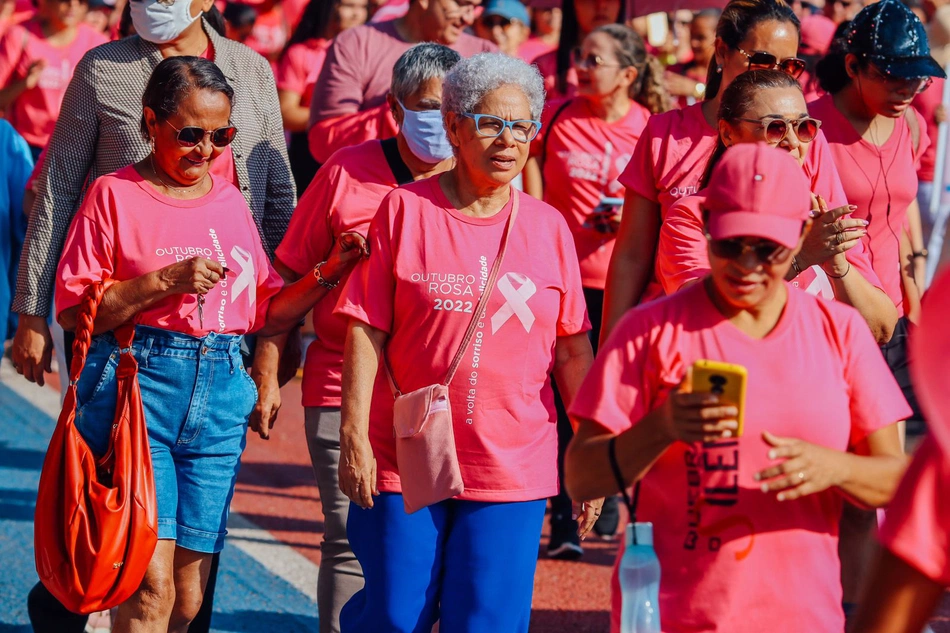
(745,519)
(833,262)
(579,19)
(183,261)
(584,145)
(37,60)
(467,561)
(675,147)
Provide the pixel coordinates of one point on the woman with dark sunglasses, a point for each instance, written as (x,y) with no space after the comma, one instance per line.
(183,261)
(675,147)
(877,138)
(769,106)
(745,518)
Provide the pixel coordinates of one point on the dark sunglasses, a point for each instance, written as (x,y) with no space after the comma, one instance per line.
(777,129)
(760,60)
(766,251)
(191,135)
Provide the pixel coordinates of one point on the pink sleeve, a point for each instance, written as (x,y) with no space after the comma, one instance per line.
(640,175)
(11,50)
(269,283)
(924,138)
(329,135)
(291,74)
(89,252)
(614,393)
(682,253)
(369,294)
(308,239)
(917,521)
(821,168)
(339,89)
(876,400)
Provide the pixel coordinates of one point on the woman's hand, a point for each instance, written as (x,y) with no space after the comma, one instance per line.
(831,234)
(807,468)
(346,252)
(191,276)
(587,514)
(697,417)
(358,470)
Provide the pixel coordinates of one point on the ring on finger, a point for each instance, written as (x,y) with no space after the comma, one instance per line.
(801,475)
(838,238)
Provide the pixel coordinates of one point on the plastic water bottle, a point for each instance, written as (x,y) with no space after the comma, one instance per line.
(640,582)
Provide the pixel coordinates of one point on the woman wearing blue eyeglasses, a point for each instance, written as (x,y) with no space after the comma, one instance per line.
(467,561)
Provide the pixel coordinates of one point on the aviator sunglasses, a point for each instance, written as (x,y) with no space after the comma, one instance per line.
(776,129)
(760,60)
(766,251)
(191,135)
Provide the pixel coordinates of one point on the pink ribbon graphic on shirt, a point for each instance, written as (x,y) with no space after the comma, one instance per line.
(516,301)
(245,279)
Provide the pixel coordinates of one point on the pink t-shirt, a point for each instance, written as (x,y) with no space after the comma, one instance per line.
(125,228)
(585,156)
(343,197)
(672,154)
(269,34)
(355,78)
(728,550)
(682,255)
(421,284)
(917,524)
(299,63)
(926,104)
(880,181)
(534,48)
(35,111)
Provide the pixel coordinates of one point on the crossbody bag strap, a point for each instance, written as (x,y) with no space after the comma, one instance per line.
(482,303)
(486,294)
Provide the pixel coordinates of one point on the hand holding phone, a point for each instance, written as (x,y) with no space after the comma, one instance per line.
(699,415)
(724,380)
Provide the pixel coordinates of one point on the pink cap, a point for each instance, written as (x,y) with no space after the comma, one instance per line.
(758,191)
(929,351)
(817,35)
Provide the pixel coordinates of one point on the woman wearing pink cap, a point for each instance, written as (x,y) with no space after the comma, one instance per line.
(743,516)
(833,262)
(675,146)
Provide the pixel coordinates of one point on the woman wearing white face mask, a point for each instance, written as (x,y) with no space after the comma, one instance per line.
(339,204)
(97,133)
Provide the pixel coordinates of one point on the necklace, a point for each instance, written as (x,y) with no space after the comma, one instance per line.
(192,188)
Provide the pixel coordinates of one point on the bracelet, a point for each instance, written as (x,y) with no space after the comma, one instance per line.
(796,267)
(329,285)
(842,276)
(922,253)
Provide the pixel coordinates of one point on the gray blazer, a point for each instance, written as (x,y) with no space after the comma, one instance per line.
(98,133)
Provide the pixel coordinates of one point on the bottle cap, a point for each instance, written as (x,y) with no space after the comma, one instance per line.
(643,534)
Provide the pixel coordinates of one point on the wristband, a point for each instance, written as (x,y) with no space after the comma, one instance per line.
(922,253)
(796,267)
(841,276)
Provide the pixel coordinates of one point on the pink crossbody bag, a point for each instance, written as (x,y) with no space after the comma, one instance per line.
(422,419)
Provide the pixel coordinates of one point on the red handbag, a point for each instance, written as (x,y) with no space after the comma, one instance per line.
(95,527)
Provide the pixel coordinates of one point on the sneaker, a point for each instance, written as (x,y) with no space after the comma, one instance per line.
(564,543)
(609,519)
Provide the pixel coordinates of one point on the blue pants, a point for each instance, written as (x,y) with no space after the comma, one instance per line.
(197,399)
(469,565)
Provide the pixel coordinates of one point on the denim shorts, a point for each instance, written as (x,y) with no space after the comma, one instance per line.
(197,399)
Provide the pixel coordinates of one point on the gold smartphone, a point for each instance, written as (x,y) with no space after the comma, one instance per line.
(726,380)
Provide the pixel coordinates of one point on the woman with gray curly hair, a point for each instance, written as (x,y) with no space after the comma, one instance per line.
(436,246)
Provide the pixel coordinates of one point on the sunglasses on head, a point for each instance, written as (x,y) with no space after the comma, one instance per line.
(760,60)
(191,135)
(776,129)
(765,251)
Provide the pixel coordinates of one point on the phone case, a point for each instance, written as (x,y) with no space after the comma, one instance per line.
(726,380)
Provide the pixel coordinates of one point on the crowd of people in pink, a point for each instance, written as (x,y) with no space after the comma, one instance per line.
(666,276)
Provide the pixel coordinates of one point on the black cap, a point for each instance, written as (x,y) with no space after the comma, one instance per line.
(889,35)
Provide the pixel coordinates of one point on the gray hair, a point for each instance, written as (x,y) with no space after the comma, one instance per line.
(418,65)
(472,79)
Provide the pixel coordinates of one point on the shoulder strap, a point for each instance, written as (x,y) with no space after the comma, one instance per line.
(479,308)
(547,132)
(396,164)
(910,115)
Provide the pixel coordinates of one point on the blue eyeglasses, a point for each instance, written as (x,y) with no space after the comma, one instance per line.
(523,131)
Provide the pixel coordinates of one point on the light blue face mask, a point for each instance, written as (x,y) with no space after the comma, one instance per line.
(425,135)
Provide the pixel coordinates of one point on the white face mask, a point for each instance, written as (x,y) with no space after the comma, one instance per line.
(160,23)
